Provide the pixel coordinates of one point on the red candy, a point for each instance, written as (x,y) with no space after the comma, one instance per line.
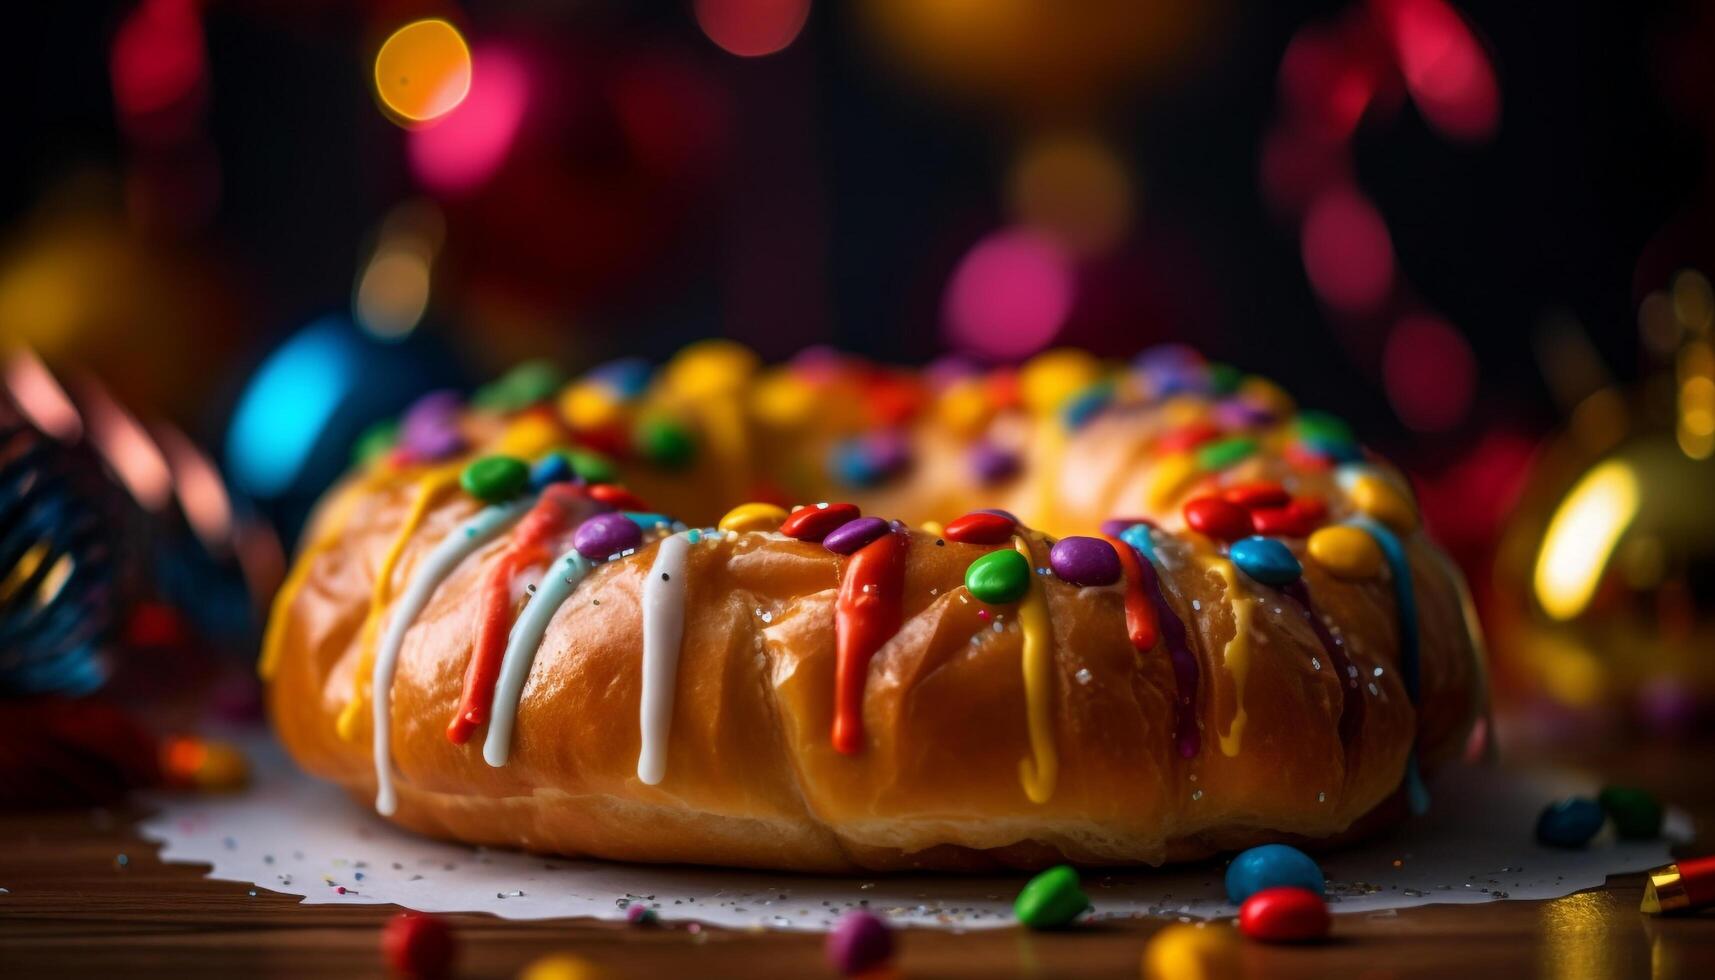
(1296,519)
(614,495)
(1186,437)
(980,528)
(416,944)
(1217,518)
(1285,915)
(813,523)
(1260,493)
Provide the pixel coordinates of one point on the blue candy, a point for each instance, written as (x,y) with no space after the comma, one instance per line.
(552,468)
(1570,822)
(647,521)
(1266,560)
(1086,405)
(1138,537)
(627,377)
(1271,866)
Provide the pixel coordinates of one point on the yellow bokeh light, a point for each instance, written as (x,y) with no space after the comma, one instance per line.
(422,71)
(1581,536)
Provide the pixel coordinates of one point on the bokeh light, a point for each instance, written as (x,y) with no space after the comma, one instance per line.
(1009,295)
(752,28)
(1347,252)
(1581,536)
(39,396)
(392,292)
(423,71)
(125,446)
(1429,372)
(1445,67)
(288,403)
(157,60)
(1074,188)
(467,145)
(199,488)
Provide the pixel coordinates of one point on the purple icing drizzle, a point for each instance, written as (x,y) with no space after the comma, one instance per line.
(1351,703)
(1185,734)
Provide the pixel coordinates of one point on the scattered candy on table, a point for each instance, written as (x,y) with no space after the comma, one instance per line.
(1285,915)
(495,479)
(999,577)
(859,942)
(417,944)
(1272,866)
(1637,815)
(561,966)
(1570,822)
(1084,561)
(1053,898)
(639,914)
(1266,560)
(1184,951)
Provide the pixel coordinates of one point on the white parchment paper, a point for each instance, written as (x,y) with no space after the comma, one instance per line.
(289,833)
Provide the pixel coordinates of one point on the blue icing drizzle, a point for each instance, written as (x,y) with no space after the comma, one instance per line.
(1138,537)
(1405,598)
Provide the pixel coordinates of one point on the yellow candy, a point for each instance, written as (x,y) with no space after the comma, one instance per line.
(783,401)
(1266,394)
(1378,498)
(933,527)
(587,405)
(710,367)
(1049,378)
(964,407)
(1347,552)
(1187,952)
(527,437)
(752,517)
(562,966)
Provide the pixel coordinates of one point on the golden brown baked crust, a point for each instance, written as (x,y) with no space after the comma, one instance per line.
(753,779)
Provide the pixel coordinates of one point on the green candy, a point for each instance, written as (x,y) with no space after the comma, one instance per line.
(999,577)
(495,479)
(1052,899)
(1637,815)
(1323,427)
(665,443)
(375,441)
(1224,378)
(1223,453)
(525,385)
(591,467)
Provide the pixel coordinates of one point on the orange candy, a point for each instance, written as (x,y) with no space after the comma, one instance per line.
(615,495)
(813,523)
(980,528)
(1217,518)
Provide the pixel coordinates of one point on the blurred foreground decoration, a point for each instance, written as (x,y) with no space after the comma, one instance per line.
(1605,579)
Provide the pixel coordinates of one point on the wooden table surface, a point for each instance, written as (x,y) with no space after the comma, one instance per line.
(71,909)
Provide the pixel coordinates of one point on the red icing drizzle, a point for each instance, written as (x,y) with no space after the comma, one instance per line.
(866,614)
(1186,736)
(1351,704)
(545,521)
(1140,622)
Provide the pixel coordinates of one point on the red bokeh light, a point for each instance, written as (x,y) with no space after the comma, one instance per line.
(1445,67)
(1429,372)
(1347,252)
(157,60)
(752,28)
(1009,295)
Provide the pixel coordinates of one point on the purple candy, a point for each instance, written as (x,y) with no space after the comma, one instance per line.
(991,463)
(854,534)
(1009,515)
(429,429)
(1085,561)
(889,451)
(1235,413)
(606,534)
(943,371)
(859,943)
(1113,527)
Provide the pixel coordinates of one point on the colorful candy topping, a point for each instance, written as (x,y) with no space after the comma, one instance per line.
(813,523)
(1295,520)
(417,944)
(1041,770)
(590,467)
(852,535)
(524,385)
(551,469)
(495,479)
(665,443)
(992,464)
(1085,561)
(1140,624)
(867,614)
(1217,518)
(1052,899)
(1257,494)
(1222,453)
(1085,405)
(1346,552)
(1272,866)
(1570,822)
(981,527)
(1326,436)
(870,460)
(1114,527)
(1285,915)
(1375,497)
(999,577)
(1637,815)
(626,377)
(1182,951)
(614,495)
(753,517)
(375,442)
(859,943)
(1266,560)
(1047,380)
(429,429)
(1187,437)
(605,535)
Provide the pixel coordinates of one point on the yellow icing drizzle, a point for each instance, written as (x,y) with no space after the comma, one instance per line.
(1237,655)
(429,489)
(1039,772)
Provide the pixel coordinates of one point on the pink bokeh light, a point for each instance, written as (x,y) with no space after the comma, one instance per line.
(1009,296)
(1445,67)
(1348,254)
(463,149)
(1429,372)
(752,28)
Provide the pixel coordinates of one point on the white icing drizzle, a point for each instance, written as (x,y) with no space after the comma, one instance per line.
(663,631)
(521,645)
(439,563)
